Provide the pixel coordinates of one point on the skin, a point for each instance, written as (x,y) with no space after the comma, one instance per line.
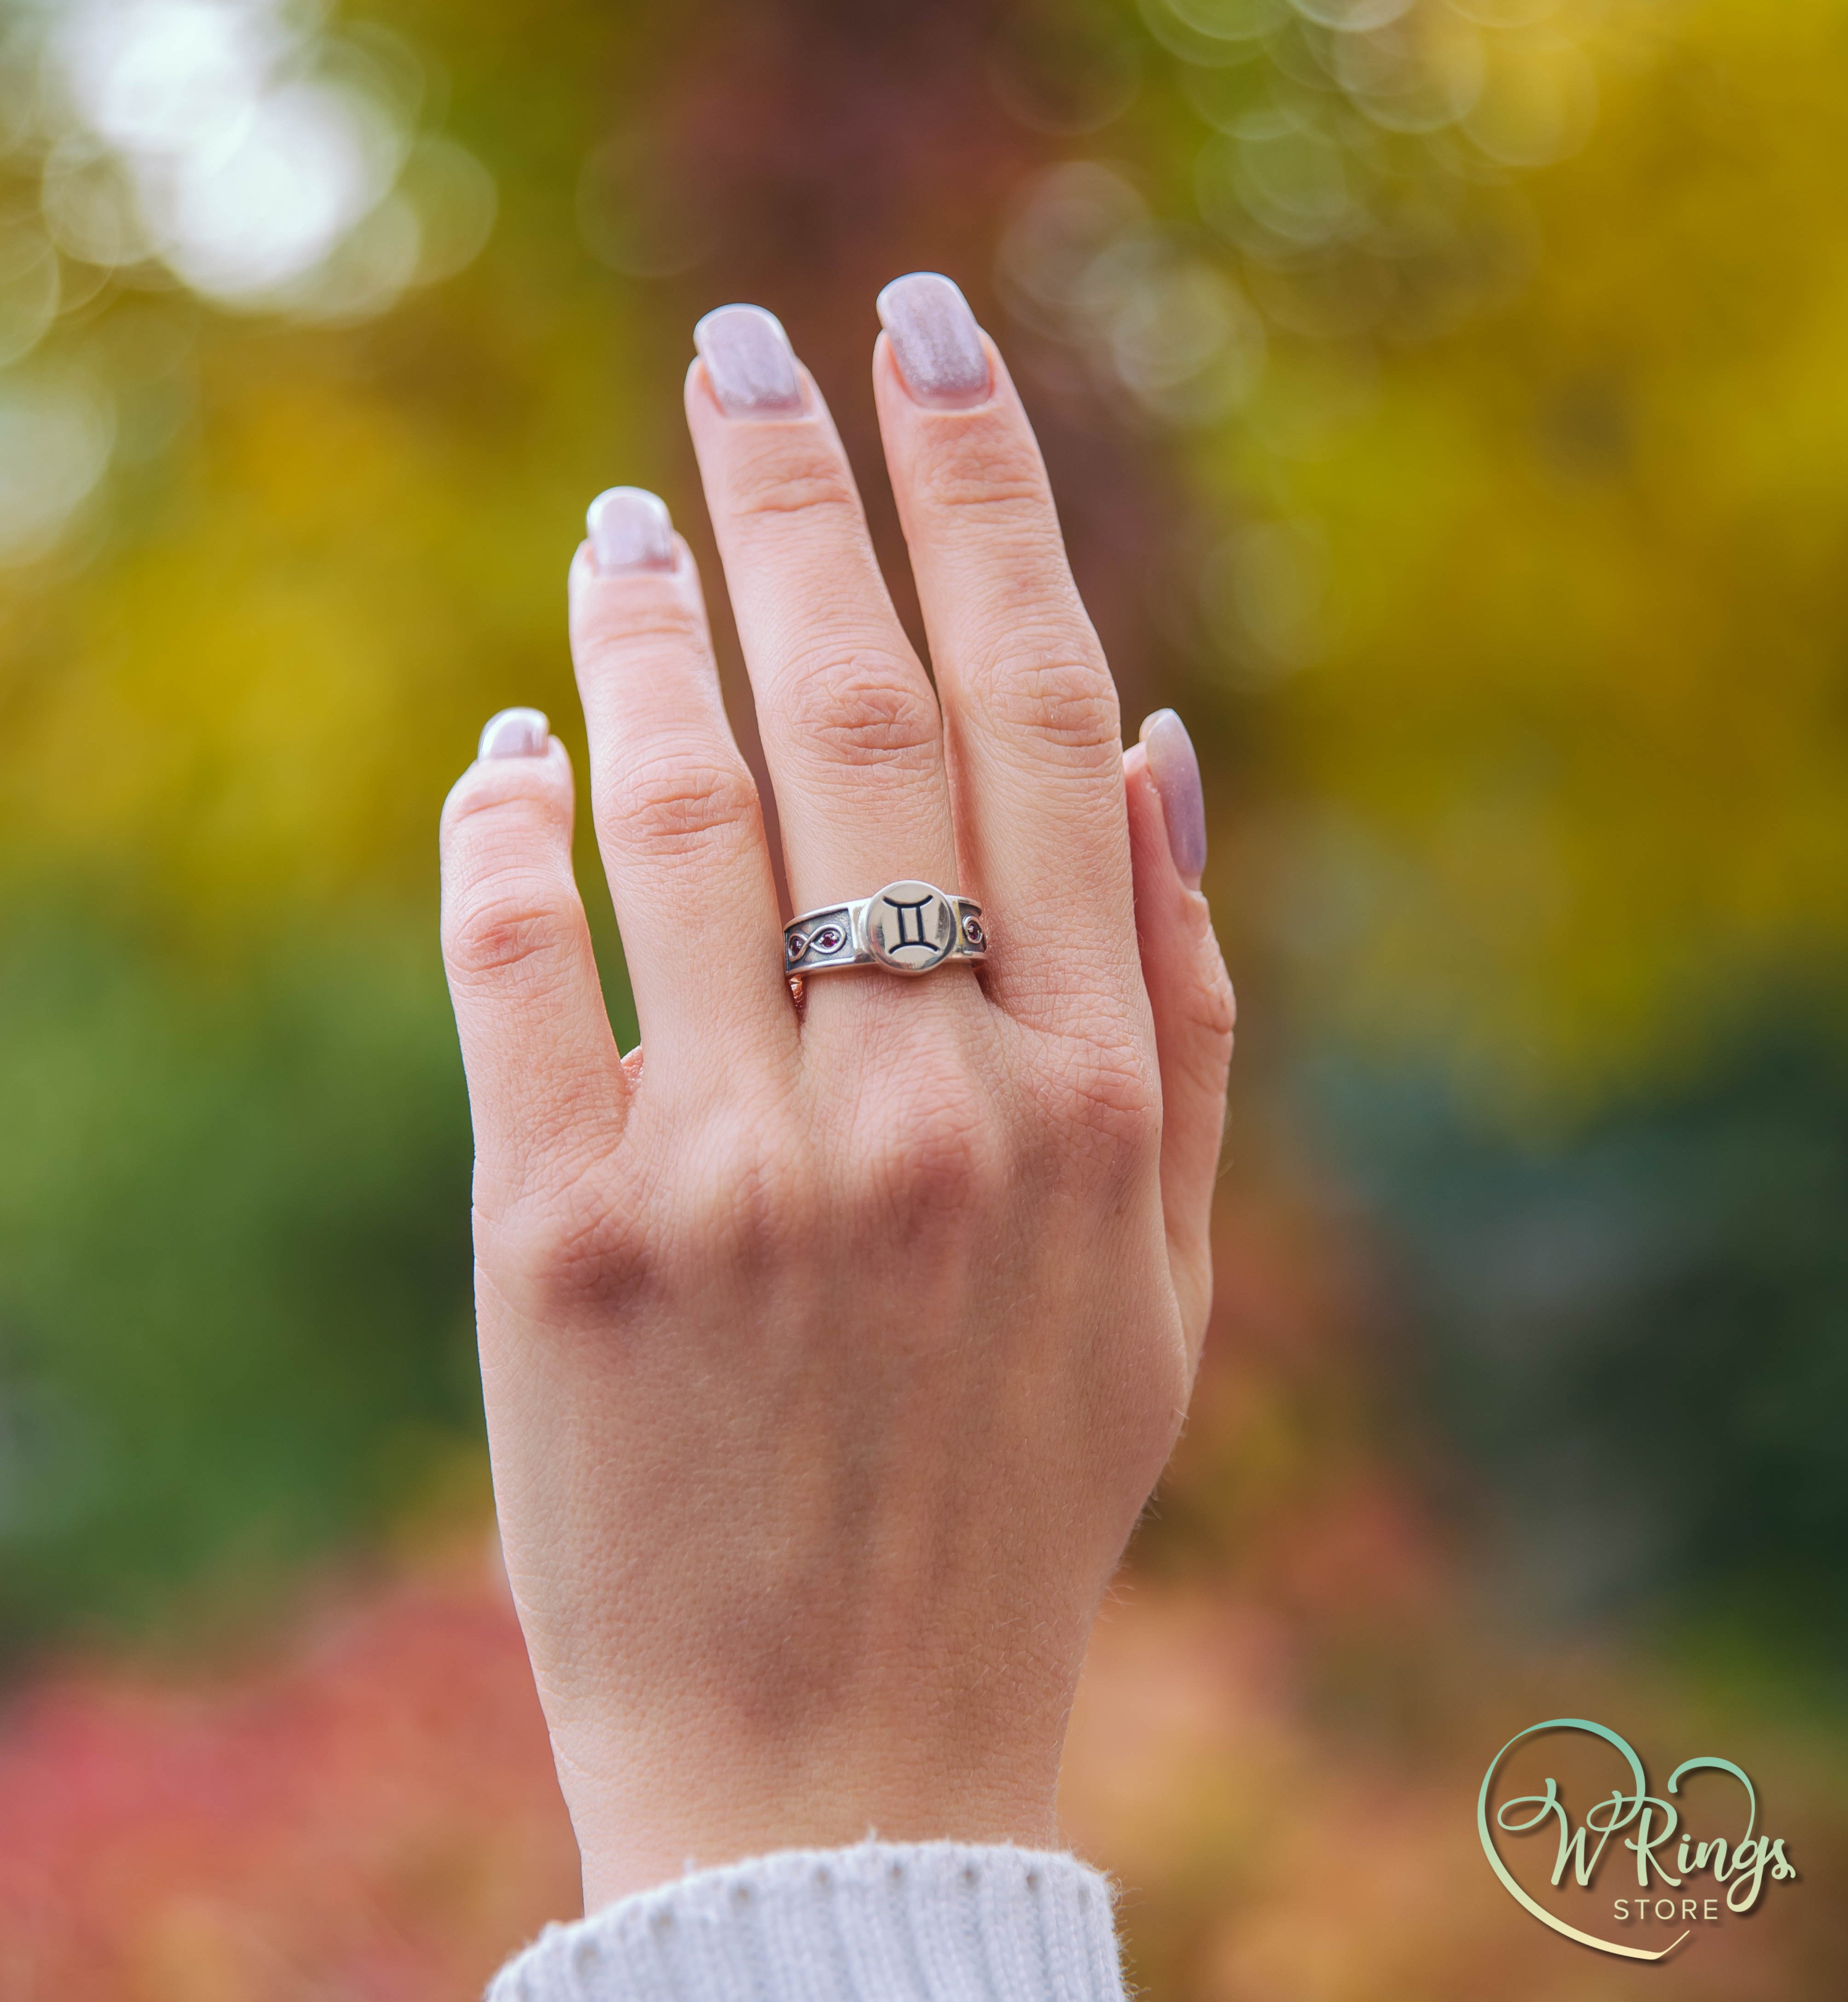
(831,1354)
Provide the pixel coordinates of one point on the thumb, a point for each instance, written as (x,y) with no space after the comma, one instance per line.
(1189,993)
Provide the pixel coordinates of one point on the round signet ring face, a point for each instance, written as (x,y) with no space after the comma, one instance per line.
(910,927)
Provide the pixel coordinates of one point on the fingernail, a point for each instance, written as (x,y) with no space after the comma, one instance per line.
(1176,771)
(516,733)
(937,341)
(630,530)
(750,364)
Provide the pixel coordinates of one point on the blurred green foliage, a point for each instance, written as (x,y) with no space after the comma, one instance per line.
(1639,1336)
(234,1238)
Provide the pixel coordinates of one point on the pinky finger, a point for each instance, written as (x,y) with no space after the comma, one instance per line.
(545,1081)
(1190,995)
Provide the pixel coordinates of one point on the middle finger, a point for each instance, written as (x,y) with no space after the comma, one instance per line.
(852,731)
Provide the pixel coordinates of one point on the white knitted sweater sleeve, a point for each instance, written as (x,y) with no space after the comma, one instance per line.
(883,1921)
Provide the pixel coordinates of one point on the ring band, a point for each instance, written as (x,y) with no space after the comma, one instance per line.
(906,928)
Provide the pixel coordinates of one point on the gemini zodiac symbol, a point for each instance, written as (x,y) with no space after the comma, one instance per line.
(910,926)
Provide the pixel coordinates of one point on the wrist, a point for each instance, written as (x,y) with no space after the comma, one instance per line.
(645,1819)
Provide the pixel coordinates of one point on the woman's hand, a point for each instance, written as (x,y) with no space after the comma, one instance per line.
(830,1351)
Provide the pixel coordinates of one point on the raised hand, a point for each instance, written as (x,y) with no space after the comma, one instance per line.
(831,1350)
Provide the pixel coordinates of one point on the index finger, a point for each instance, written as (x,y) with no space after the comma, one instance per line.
(1029,709)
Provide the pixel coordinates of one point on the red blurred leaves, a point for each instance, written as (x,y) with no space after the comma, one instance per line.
(375,1817)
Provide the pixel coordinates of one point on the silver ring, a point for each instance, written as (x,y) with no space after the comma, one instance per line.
(905,928)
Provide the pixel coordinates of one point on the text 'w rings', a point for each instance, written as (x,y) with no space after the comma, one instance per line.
(905,928)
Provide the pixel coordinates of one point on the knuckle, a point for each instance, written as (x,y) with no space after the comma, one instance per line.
(1205,1007)
(755,1194)
(789,475)
(631,630)
(511,923)
(1107,1091)
(567,1254)
(1115,1095)
(868,706)
(1216,1006)
(937,1152)
(1061,694)
(508,806)
(994,476)
(673,802)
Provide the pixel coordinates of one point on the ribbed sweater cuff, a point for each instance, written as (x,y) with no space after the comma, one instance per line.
(883,1921)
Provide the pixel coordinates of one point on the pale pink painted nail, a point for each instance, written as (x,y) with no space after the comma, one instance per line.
(516,733)
(749,362)
(630,530)
(1175,771)
(937,341)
